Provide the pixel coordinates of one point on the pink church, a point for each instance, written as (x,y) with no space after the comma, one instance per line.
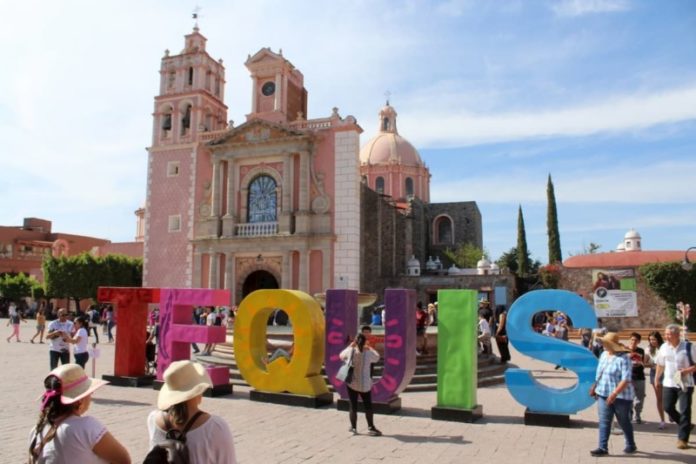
(273,202)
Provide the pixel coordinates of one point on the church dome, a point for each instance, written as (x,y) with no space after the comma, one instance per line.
(388,147)
(631,234)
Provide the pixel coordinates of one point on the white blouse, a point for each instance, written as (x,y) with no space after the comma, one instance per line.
(211,442)
(73,442)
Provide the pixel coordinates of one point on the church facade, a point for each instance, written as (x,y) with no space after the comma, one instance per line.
(281,201)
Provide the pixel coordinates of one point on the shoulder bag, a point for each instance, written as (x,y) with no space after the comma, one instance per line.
(345,373)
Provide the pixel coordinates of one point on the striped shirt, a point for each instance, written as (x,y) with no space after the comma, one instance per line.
(613,369)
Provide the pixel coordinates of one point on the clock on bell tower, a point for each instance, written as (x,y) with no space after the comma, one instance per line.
(278,93)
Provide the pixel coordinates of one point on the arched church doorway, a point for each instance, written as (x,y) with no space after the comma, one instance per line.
(258,280)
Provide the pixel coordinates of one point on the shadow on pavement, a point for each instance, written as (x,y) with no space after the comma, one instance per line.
(449,439)
(109,402)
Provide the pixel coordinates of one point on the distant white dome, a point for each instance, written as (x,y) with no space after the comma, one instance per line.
(620,247)
(631,234)
(495,269)
(483,263)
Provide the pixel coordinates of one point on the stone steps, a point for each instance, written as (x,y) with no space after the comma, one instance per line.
(490,371)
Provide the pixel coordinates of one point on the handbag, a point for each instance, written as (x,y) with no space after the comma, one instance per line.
(345,373)
(593,387)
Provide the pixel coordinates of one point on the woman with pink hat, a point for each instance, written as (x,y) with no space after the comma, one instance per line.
(208,437)
(63,432)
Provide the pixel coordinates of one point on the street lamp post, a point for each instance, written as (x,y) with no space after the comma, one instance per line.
(686,264)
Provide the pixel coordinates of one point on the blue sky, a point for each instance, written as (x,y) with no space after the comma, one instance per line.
(496,95)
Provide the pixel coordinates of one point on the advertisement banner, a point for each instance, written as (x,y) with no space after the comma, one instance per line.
(614,293)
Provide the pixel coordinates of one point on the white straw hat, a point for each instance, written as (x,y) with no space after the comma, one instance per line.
(183,380)
(75,384)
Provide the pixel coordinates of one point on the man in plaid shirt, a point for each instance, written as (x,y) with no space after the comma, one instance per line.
(615,394)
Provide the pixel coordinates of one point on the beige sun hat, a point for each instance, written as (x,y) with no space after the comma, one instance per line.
(75,384)
(611,340)
(183,380)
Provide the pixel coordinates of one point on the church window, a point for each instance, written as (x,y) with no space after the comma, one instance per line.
(172,169)
(379,185)
(262,200)
(409,187)
(174,224)
(190,76)
(443,230)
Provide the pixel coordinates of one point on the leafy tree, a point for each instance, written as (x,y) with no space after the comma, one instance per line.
(552,225)
(508,260)
(673,284)
(522,252)
(78,277)
(466,256)
(17,287)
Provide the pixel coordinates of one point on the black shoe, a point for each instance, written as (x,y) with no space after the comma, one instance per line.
(630,450)
(353,430)
(373,432)
(599,452)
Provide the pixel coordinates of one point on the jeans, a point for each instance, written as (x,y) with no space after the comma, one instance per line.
(622,410)
(55,356)
(677,405)
(367,402)
(639,386)
(81,359)
(110,325)
(96,332)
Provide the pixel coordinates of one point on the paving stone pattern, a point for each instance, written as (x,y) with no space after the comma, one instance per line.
(268,433)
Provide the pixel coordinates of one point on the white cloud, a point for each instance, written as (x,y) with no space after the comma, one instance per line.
(583,7)
(436,127)
(611,182)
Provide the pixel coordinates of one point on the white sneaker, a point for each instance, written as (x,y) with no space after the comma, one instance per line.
(662,426)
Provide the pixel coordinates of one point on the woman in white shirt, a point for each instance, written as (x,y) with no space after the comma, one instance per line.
(80,341)
(362,356)
(209,439)
(63,433)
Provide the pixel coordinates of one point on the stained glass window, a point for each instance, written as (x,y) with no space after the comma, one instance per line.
(262,200)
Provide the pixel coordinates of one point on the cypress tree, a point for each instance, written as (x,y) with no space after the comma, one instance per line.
(552,225)
(522,268)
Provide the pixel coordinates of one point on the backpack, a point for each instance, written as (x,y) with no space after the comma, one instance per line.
(218,319)
(173,449)
(96,319)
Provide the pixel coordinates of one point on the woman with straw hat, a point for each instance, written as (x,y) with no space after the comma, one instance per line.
(208,437)
(614,393)
(63,432)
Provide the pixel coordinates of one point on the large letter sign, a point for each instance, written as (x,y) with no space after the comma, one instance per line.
(457,349)
(522,386)
(399,339)
(302,374)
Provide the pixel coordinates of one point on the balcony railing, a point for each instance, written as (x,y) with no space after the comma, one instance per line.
(256,229)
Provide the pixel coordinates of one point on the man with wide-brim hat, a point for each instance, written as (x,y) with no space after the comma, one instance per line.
(614,393)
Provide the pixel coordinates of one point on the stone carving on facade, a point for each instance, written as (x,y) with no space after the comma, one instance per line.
(204,207)
(320,204)
(245,266)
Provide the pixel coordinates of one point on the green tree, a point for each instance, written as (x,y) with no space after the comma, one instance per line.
(508,260)
(17,287)
(522,252)
(465,256)
(552,225)
(673,284)
(78,277)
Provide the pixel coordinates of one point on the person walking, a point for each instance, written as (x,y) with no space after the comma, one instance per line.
(501,338)
(208,437)
(655,341)
(64,433)
(80,341)
(675,359)
(59,331)
(16,318)
(40,326)
(362,356)
(110,322)
(94,319)
(614,393)
(638,361)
